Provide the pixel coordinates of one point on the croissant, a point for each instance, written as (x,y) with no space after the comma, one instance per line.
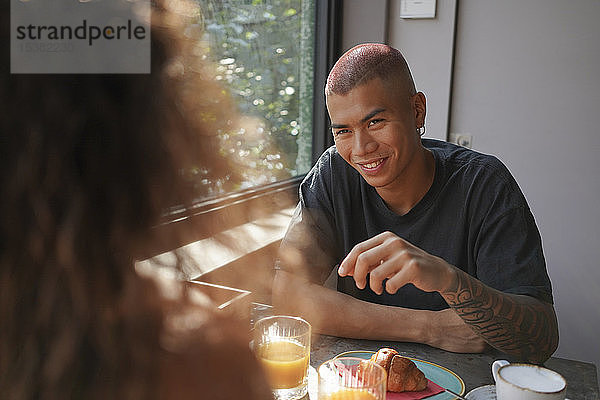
(403,374)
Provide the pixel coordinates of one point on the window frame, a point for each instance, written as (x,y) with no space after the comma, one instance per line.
(230,210)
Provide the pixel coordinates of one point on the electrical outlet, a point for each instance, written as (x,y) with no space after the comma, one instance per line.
(462,139)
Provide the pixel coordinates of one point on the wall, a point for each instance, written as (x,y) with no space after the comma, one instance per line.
(525,86)
(427,45)
(363,24)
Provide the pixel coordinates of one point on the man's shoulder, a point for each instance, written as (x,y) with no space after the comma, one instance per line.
(455,157)
(479,175)
(331,158)
(456,153)
(330,163)
(328,176)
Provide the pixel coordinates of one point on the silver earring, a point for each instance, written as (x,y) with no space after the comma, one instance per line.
(421,130)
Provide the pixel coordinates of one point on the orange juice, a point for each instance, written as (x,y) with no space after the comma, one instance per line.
(285,363)
(351,394)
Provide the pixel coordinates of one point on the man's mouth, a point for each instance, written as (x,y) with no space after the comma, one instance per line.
(371,166)
(374,164)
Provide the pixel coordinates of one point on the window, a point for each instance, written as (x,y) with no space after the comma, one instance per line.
(264,52)
(273,56)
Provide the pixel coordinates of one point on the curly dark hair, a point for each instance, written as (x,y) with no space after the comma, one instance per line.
(88,164)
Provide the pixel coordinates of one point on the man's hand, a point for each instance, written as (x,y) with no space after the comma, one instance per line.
(516,324)
(389,256)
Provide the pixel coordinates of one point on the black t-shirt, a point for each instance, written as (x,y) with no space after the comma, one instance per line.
(474,216)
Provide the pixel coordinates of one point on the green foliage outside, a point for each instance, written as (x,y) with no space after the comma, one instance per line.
(263,50)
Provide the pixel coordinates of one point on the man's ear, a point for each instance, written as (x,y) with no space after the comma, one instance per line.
(419,106)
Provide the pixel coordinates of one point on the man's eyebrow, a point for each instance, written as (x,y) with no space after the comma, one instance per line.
(364,119)
(372,114)
(337,126)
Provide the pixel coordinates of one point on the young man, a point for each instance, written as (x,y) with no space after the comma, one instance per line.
(434,243)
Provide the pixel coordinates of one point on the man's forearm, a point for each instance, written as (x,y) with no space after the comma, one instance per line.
(334,313)
(515,324)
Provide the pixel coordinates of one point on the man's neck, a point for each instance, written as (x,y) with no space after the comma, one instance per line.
(412,185)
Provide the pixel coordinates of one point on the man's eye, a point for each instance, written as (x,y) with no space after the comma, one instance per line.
(341,131)
(374,121)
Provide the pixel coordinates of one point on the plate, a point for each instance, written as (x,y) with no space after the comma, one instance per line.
(434,372)
(487,392)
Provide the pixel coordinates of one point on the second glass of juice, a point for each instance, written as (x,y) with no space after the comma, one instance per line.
(351,378)
(282,344)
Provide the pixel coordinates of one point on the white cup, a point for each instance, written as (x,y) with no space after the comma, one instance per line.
(527,382)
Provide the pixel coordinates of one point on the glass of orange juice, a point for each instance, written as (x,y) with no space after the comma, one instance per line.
(351,378)
(282,345)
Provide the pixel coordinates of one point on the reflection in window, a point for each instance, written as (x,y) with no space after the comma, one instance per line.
(263,50)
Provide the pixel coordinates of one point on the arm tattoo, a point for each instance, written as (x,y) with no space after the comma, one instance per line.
(518,325)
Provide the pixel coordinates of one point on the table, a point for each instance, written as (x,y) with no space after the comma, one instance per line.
(474,369)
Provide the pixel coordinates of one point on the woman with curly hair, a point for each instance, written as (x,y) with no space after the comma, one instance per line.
(88,164)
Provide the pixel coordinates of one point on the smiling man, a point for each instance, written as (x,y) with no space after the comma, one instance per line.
(432,242)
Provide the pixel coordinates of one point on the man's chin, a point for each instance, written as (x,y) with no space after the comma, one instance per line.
(376,182)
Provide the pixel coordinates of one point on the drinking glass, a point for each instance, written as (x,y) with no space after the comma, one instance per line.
(351,378)
(282,345)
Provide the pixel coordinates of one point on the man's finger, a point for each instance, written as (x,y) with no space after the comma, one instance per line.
(348,264)
(399,279)
(379,273)
(365,263)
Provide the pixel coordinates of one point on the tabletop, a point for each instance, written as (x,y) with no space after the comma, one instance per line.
(474,369)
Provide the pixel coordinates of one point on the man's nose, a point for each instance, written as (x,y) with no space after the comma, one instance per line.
(364,143)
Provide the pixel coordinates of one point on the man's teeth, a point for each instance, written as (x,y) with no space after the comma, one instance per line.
(373,164)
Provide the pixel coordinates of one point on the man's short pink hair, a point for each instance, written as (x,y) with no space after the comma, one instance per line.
(365,62)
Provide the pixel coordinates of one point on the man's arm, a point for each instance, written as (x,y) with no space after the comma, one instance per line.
(518,325)
(515,324)
(334,313)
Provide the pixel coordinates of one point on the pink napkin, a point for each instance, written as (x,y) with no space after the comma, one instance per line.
(430,390)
